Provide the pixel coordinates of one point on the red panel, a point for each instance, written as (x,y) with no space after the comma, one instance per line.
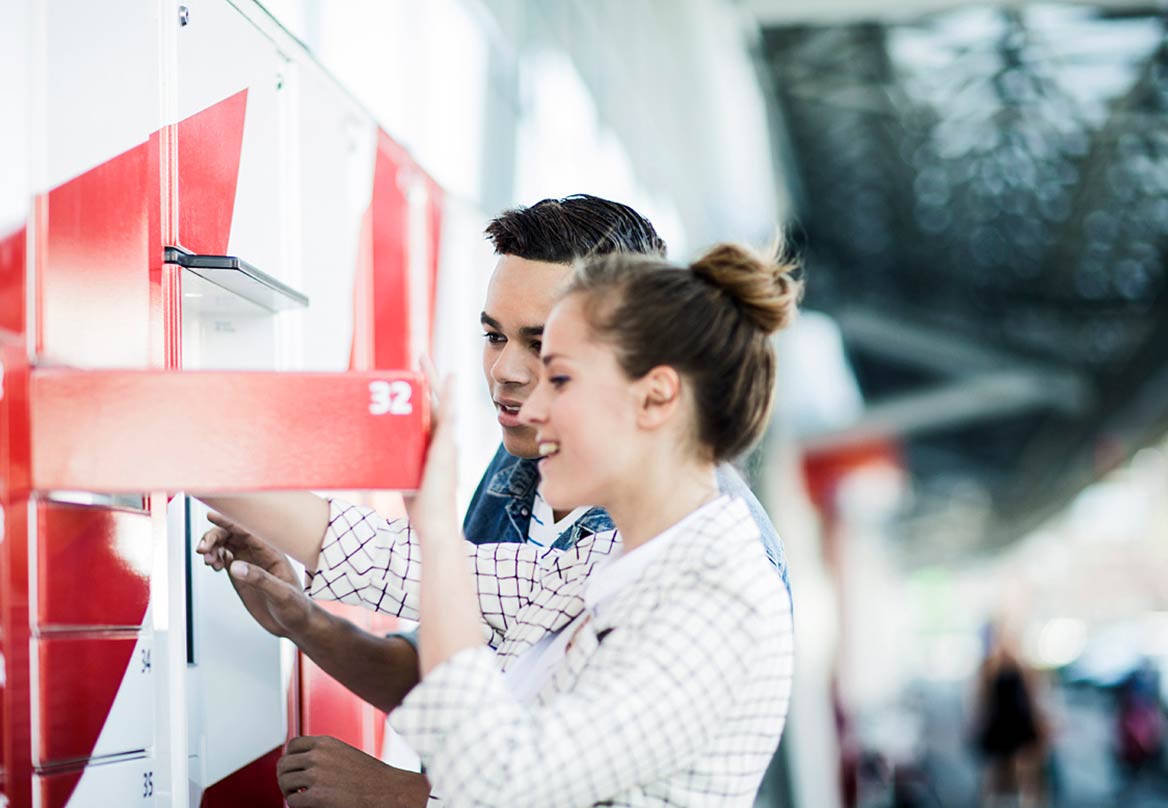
(254,785)
(329,708)
(390,281)
(379,623)
(220,431)
(79,678)
(15,731)
(824,470)
(157,270)
(93,276)
(15,454)
(56,789)
(209,145)
(12,252)
(103,553)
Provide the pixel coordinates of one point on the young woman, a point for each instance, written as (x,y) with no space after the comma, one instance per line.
(649,665)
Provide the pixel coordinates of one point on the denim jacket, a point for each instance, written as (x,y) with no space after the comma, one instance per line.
(500,510)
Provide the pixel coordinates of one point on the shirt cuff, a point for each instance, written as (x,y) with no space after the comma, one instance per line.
(453,692)
(341,541)
(410,636)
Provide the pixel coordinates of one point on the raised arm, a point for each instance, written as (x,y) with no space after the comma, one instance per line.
(467,590)
(381,670)
(369,561)
(449,603)
(293,522)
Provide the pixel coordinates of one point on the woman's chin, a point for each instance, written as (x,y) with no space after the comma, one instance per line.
(560,501)
(557,492)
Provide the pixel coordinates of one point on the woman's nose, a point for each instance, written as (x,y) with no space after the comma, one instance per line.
(534,409)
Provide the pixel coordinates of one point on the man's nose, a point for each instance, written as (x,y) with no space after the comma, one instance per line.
(511,367)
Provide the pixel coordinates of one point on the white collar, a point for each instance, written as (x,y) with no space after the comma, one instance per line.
(627,567)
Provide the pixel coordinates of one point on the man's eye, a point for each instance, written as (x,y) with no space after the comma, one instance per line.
(494,337)
(536,346)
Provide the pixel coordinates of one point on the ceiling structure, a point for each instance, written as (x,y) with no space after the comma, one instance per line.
(981,196)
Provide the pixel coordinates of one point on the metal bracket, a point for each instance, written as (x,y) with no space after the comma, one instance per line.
(240,278)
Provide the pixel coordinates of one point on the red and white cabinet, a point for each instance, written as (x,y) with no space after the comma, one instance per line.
(215,272)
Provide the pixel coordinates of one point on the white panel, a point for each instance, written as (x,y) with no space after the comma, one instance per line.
(465,261)
(14,78)
(168,616)
(219,54)
(101,83)
(337,150)
(422,70)
(222,331)
(130,723)
(127,784)
(419,262)
(234,687)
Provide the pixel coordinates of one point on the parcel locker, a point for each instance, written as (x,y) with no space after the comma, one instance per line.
(183,307)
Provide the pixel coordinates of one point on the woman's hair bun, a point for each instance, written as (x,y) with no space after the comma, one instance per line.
(765,289)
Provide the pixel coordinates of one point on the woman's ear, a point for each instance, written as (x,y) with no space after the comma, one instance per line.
(659,396)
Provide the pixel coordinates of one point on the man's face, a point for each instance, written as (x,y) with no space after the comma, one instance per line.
(519,298)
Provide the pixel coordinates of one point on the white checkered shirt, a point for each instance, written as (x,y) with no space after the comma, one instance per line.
(674,694)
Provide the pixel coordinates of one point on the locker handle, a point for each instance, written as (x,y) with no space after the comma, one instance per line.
(238,277)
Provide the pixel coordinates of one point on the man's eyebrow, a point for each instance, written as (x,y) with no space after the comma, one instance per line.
(527,331)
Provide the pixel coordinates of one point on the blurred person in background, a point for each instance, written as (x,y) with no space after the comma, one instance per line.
(1010,730)
(1139,724)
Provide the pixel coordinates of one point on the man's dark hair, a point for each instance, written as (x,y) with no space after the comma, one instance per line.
(561,231)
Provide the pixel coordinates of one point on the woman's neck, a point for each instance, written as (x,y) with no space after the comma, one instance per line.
(660,498)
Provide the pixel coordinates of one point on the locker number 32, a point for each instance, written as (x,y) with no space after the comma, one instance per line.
(390,398)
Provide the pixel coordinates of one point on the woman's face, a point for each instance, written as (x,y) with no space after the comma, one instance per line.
(584,412)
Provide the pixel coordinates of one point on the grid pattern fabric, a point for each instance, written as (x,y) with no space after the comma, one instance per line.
(525,591)
(675,693)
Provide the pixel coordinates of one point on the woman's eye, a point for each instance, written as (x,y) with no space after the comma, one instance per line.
(558,381)
(494,337)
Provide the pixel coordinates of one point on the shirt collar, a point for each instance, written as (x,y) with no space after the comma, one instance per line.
(622,570)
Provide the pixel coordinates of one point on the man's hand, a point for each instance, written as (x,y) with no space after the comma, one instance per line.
(262,576)
(322,772)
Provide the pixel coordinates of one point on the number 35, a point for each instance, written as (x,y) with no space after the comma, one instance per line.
(390,397)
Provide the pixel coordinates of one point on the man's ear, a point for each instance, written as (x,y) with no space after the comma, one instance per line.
(660,396)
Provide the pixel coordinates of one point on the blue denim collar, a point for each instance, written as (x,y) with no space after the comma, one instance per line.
(517,479)
(516,482)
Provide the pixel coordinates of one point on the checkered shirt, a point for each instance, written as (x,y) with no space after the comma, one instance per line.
(675,693)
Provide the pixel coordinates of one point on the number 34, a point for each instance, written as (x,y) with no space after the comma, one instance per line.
(391,398)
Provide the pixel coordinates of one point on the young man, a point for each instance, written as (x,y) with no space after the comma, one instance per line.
(536,247)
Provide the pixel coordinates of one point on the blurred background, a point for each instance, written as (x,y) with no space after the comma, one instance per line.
(969,461)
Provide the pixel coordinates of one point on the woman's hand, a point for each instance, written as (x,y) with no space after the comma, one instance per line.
(433,509)
(450,616)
